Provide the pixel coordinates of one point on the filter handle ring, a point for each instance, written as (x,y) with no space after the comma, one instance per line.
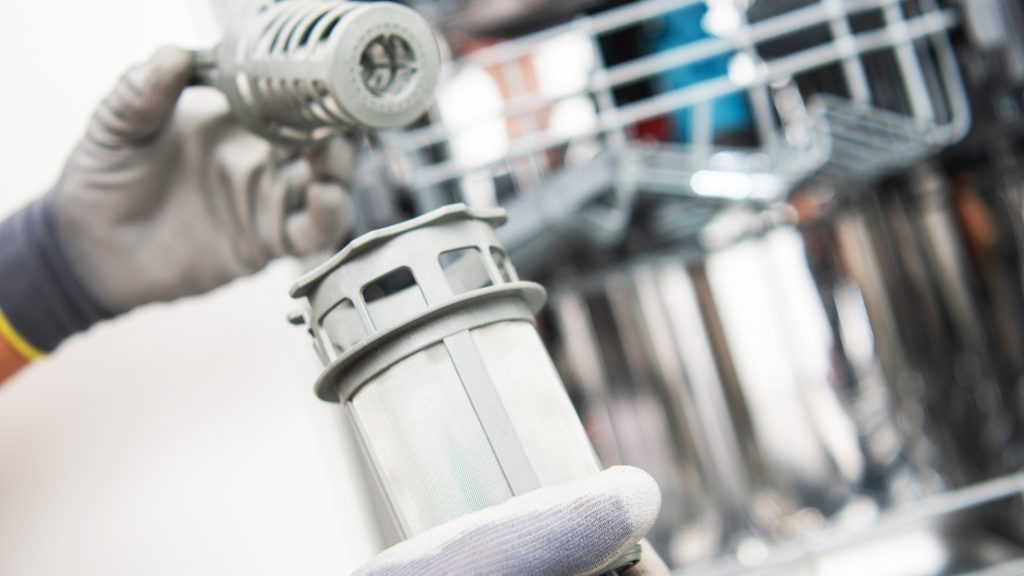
(343,377)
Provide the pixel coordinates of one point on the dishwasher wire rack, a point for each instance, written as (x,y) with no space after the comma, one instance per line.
(839,91)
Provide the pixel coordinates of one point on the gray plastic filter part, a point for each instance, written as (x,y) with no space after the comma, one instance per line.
(429,340)
(301,71)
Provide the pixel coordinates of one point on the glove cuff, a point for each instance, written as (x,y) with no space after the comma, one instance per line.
(42,299)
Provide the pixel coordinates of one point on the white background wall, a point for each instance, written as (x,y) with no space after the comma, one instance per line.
(180,439)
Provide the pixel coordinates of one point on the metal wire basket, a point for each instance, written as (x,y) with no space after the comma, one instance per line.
(841,90)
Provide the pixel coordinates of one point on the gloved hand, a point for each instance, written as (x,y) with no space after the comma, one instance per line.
(574,529)
(163,199)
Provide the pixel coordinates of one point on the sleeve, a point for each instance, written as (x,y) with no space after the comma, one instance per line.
(42,299)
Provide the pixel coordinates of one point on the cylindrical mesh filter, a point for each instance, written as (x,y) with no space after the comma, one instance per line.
(302,70)
(429,341)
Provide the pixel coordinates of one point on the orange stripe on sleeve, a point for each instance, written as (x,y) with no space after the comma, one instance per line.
(15,351)
(10,360)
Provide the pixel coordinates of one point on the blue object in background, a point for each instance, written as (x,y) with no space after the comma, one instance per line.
(731,113)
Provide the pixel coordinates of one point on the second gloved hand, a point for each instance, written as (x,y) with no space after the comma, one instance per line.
(575,529)
(164,199)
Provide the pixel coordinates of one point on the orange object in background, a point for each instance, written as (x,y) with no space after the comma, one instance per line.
(975,217)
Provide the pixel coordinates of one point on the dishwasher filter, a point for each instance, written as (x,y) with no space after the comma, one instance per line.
(301,71)
(429,340)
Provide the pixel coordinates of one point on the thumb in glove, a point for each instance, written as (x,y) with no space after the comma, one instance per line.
(143,100)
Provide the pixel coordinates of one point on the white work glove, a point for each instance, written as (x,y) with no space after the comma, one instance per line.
(164,199)
(575,529)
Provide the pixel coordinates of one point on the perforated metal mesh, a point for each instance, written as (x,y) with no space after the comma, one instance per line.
(415,416)
(536,402)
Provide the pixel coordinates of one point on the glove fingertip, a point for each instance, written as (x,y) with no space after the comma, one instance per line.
(324,221)
(326,195)
(143,100)
(169,69)
(639,493)
(160,82)
(302,237)
(330,207)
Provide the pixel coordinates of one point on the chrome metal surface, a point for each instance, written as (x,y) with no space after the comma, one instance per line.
(803,375)
(943,535)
